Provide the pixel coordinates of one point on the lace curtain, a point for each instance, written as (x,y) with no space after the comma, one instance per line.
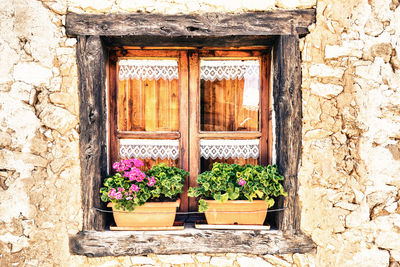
(148,69)
(149,149)
(225,149)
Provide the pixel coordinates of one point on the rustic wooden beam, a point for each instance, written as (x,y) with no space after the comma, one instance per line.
(190,240)
(288,111)
(278,22)
(93,118)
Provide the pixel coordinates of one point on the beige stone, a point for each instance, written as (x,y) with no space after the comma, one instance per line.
(358,216)
(395,254)
(139,260)
(300,260)
(335,51)
(221,261)
(276,261)
(373,27)
(5,139)
(203,258)
(290,4)
(317,134)
(326,90)
(322,70)
(32,73)
(383,50)
(175,259)
(6,52)
(252,262)
(58,119)
(370,257)
(66,100)
(92,6)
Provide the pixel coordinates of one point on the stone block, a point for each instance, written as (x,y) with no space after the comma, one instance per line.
(317,134)
(276,261)
(175,259)
(203,258)
(389,239)
(322,70)
(139,260)
(32,73)
(221,262)
(5,139)
(252,262)
(92,6)
(383,50)
(335,51)
(58,119)
(326,90)
(370,257)
(9,58)
(358,216)
(293,4)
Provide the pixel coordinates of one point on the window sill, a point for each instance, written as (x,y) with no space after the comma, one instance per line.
(189,240)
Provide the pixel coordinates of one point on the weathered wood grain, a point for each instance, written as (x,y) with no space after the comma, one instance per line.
(280,22)
(288,110)
(190,240)
(91,58)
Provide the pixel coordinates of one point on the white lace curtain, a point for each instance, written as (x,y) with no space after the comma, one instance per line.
(148,69)
(149,149)
(169,149)
(225,149)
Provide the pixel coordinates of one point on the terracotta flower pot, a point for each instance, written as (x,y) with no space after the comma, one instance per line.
(236,212)
(154,214)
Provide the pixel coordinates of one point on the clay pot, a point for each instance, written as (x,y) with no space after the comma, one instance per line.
(151,214)
(236,212)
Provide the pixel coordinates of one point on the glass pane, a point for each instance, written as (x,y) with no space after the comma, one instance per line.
(230,92)
(148,95)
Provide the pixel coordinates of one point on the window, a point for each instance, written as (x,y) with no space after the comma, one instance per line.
(98,34)
(190,108)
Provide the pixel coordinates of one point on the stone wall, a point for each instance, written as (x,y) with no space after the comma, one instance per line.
(349,173)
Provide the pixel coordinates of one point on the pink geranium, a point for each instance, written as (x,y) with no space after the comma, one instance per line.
(134,188)
(242,182)
(151,181)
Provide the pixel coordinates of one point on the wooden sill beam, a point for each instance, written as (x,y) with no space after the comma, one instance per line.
(190,240)
(277,22)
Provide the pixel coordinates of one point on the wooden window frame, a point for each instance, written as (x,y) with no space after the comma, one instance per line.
(188,59)
(97,33)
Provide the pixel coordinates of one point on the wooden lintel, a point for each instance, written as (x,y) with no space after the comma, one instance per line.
(109,243)
(277,22)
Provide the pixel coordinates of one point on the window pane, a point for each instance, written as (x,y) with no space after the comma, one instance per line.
(148,95)
(229,91)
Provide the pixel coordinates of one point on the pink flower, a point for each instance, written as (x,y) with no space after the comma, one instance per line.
(120,189)
(151,181)
(135,174)
(112,192)
(242,182)
(118,195)
(128,198)
(134,188)
(116,166)
(136,162)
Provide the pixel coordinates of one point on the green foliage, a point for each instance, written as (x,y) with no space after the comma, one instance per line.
(131,187)
(234,182)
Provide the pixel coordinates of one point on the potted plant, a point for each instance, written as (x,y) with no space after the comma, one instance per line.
(234,194)
(143,199)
